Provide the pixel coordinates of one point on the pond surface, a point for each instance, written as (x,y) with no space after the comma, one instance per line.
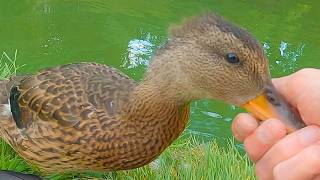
(125,33)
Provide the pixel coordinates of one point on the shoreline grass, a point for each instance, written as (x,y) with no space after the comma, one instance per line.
(186,158)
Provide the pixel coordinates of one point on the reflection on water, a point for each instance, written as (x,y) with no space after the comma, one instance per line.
(212,114)
(43,7)
(217,116)
(287,56)
(52,45)
(211,117)
(140,51)
(266,48)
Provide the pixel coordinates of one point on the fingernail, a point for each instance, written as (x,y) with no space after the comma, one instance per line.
(246,124)
(309,135)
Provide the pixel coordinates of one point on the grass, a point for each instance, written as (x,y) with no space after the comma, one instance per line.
(8,65)
(186,158)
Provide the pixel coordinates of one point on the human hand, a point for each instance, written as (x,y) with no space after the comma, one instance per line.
(281,156)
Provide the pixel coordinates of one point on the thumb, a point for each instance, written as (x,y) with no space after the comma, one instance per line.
(302,90)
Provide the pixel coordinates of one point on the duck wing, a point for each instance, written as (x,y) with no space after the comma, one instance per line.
(69,94)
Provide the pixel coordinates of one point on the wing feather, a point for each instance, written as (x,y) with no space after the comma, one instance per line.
(72,93)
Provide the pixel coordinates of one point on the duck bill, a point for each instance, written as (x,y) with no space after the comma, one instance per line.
(271,104)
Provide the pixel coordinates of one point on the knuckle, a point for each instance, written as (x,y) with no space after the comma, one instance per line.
(260,171)
(253,154)
(281,149)
(314,154)
(278,172)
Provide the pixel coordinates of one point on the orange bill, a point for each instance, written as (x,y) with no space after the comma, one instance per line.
(270,104)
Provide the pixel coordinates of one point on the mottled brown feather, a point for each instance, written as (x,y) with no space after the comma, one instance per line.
(71,93)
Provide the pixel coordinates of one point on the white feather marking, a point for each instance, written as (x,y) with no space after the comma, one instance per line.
(5,110)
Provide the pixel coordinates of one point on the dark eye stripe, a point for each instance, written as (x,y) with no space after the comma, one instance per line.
(232,58)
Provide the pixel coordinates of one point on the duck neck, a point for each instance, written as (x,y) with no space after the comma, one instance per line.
(158,115)
(158,107)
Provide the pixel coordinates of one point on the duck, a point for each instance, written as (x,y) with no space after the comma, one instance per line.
(92,117)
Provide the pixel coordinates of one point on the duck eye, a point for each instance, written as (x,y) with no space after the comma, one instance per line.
(232,58)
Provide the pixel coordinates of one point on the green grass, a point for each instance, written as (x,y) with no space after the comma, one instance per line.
(187,158)
(8,65)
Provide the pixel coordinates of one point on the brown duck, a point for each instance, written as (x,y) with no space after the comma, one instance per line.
(89,116)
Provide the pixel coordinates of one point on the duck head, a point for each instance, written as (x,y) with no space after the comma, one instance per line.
(208,57)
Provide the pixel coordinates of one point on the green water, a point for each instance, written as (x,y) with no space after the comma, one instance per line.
(124,33)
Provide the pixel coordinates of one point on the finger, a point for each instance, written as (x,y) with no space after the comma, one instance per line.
(285,149)
(267,134)
(243,125)
(302,91)
(294,169)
